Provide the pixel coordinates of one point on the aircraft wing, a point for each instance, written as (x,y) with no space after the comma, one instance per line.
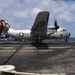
(39,28)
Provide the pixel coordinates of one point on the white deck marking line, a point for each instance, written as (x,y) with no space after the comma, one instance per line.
(26,73)
(48,47)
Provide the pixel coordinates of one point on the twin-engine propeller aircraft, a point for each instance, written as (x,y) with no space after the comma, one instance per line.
(39,31)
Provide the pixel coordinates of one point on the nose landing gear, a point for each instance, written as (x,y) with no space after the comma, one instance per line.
(66,40)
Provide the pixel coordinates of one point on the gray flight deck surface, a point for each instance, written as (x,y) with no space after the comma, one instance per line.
(51,57)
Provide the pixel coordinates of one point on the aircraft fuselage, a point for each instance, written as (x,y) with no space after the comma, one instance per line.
(61,33)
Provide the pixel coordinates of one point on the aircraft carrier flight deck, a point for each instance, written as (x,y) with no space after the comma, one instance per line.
(50,57)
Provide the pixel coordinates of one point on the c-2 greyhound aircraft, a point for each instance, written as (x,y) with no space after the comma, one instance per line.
(39,31)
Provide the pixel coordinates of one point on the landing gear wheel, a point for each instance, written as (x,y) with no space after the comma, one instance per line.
(66,40)
(38,41)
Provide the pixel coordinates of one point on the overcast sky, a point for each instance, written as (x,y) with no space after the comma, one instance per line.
(20,14)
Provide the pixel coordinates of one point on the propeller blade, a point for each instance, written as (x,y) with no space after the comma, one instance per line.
(56,25)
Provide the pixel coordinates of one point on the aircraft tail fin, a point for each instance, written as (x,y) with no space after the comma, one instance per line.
(3,26)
